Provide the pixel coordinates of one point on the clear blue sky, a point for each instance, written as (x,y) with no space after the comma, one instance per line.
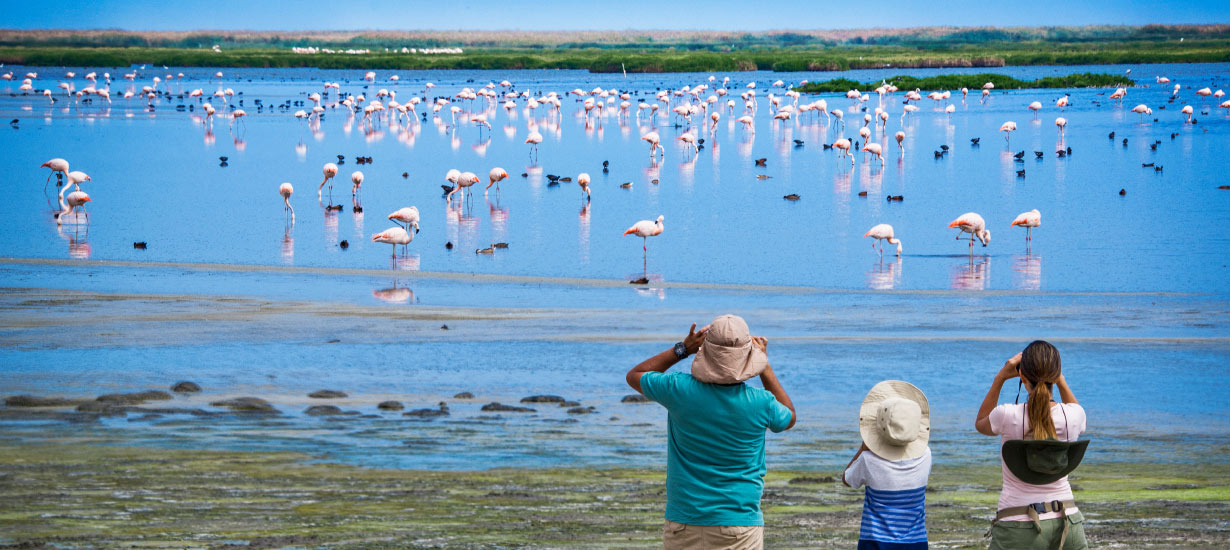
(583,15)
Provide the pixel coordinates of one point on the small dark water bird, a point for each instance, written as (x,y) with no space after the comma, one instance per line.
(791,197)
(1125,142)
(1146,165)
(1019,155)
(798,143)
(862,193)
(344,244)
(896,198)
(1038,154)
(488,250)
(827,146)
(640,281)
(500,245)
(761,161)
(1122,192)
(1111,136)
(448,245)
(139,245)
(974,141)
(1020,173)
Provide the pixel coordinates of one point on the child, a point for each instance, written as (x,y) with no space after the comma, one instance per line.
(894,463)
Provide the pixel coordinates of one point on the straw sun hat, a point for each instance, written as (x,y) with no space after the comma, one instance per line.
(895,420)
(728,355)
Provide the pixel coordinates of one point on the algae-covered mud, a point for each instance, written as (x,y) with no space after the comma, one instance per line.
(65,496)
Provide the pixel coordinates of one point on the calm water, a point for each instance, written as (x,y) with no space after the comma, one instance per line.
(156,178)
(1132,288)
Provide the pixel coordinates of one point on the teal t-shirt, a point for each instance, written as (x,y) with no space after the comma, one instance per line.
(715,447)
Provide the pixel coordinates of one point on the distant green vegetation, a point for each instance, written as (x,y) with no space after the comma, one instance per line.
(656,51)
(971,81)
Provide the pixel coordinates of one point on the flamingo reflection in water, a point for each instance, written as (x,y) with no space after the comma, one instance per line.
(1027,271)
(884,275)
(972,275)
(395,295)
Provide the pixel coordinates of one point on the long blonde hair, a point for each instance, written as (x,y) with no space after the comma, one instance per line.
(1040,365)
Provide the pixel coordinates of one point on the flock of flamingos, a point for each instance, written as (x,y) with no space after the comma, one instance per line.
(697,108)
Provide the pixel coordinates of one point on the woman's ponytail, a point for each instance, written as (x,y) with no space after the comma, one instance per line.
(1040,366)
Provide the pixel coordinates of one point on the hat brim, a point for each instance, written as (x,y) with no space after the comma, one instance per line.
(1013,453)
(869,411)
(716,364)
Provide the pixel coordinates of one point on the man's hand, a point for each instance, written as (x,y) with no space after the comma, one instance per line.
(694,339)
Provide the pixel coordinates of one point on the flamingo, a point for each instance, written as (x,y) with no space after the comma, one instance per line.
(481,120)
(1007,128)
(1028,220)
(329,171)
(73,200)
(1035,107)
(875,150)
(1188,110)
(583,181)
(1143,110)
(1204,92)
(880,233)
(654,144)
(408,215)
(534,139)
(393,236)
(357,179)
(901,138)
(645,229)
(496,175)
(973,224)
(844,145)
(464,180)
(1062,102)
(746,121)
(1061,123)
(286,189)
(74,179)
(237,116)
(56,165)
(689,139)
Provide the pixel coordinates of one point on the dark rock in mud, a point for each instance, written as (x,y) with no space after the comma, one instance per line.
(808,480)
(543,399)
(582,410)
(28,414)
(102,408)
(328,394)
(186,387)
(499,407)
(246,404)
(464,395)
(328,410)
(135,398)
(390,406)
(38,401)
(634,398)
(570,404)
(429,413)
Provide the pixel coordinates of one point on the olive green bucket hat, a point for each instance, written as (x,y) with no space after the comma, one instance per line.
(1042,461)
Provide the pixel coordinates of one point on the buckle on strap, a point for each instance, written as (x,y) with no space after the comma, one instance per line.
(1039,507)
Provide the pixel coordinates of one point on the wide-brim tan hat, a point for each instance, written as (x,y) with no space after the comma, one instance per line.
(895,420)
(728,355)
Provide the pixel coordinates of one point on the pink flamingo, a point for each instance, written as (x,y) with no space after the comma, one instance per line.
(654,144)
(900,145)
(1028,220)
(1143,110)
(645,229)
(409,216)
(329,171)
(356,179)
(393,236)
(1061,123)
(583,181)
(1035,107)
(534,139)
(464,180)
(76,199)
(286,189)
(880,233)
(74,179)
(973,224)
(1007,128)
(875,150)
(844,145)
(56,165)
(496,175)
(1188,110)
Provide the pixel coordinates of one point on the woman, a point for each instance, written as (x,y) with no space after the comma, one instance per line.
(1036,508)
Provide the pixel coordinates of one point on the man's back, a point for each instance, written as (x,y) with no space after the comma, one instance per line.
(715,463)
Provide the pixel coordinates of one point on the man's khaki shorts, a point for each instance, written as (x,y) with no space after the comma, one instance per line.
(679,536)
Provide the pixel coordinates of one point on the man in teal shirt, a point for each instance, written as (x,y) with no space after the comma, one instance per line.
(716,427)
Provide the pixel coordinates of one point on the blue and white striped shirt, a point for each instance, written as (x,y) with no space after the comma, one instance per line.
(894,506)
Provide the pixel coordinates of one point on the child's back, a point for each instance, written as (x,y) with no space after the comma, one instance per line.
(894,506)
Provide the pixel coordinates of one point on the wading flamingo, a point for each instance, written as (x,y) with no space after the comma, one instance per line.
(973,224)
(286,190)
(496,175)
(56,165)
(408,216)
(900,145)
(464,181)
(583,181)
(1007,128)
(645,229)
(356,178)
(393,236)
(329,170)
(880,233)
(844,145)
(1028,220)
(654,144)
(76,199)
(875,150)
(1061,123)
(534,139)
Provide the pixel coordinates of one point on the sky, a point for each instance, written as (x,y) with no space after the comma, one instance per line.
(750,15)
